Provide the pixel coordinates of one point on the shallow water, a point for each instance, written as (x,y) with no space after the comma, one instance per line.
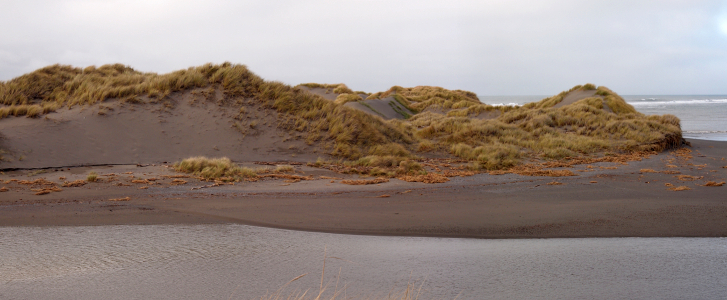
(243,262)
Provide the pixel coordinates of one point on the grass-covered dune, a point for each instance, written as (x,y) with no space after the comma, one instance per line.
(436,122)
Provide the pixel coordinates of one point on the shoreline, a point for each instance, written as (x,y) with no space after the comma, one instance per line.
(623,202)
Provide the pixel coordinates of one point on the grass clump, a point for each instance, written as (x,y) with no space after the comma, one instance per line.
(588,87)
(337,88)
(30,111)
(92,177)
(222,169)
(284,169)
(419,98)
(345,98)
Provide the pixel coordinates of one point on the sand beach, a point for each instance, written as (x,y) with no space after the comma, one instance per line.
(664,187)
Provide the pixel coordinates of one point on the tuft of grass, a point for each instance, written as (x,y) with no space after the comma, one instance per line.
(588,86)
(30,111)
(338,88)
(390,149)
(92,177)
(410,167)
(345,98)
(425,178)
(284,169)
(34,111)
(222,169)
(342,89)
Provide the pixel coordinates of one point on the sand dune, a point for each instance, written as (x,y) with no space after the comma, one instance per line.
(116,115)
(148,133)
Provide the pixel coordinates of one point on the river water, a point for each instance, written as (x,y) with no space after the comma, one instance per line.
(233,261)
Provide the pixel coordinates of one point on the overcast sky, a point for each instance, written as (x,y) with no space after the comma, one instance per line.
(489,47)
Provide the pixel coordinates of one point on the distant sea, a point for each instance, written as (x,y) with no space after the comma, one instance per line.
(702,116)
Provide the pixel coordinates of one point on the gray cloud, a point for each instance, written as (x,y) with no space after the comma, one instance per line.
(489,47)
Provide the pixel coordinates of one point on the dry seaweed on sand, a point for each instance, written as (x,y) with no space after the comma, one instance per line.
(365,181)
(44,191)
(286,176)
(428,178)
(680,188)
(120,199)
(178,182)
(688,177)
(75,183)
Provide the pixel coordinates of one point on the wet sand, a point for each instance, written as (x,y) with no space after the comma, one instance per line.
(605,200)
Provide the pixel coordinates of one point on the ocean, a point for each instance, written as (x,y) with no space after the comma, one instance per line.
(702,116)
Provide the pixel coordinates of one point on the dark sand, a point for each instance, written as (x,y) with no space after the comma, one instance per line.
(607,200)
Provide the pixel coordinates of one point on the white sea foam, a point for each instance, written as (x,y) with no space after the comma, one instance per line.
(652,101)
(703,131)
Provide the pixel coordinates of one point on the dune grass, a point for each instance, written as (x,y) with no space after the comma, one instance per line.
(444,122)
(542,130)
(30,111)
(222,169)
(92,177)
(337,88)
(343,131)
(345,98)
